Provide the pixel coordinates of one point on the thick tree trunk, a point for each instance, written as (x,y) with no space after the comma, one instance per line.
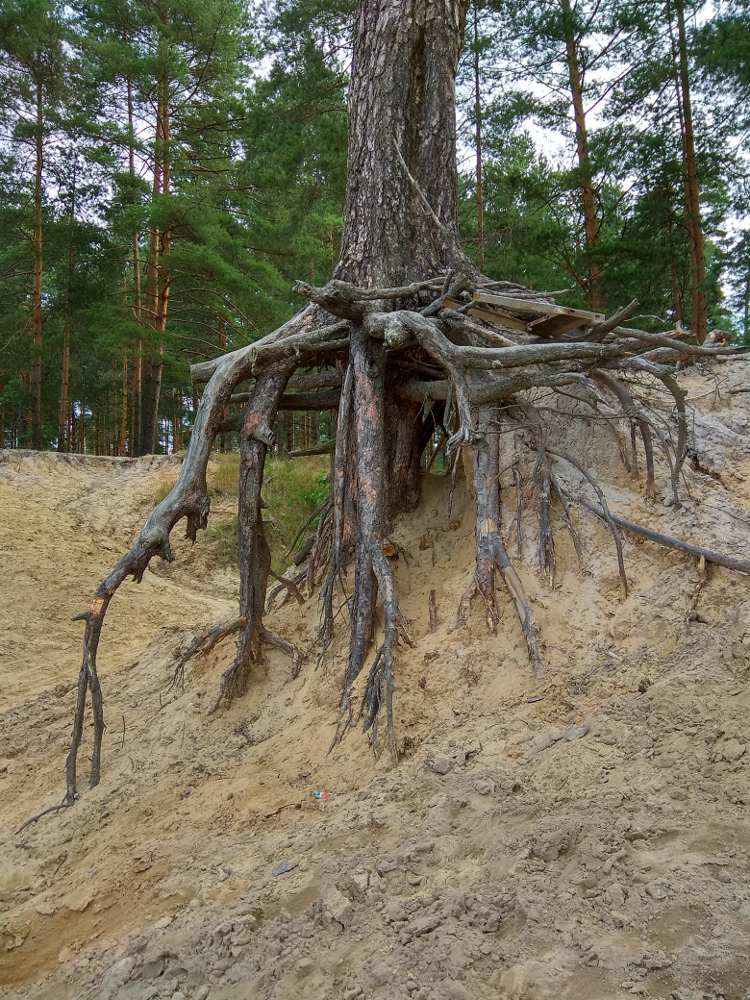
(400,219)
(478,145)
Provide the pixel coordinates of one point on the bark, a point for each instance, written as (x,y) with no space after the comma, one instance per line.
(699,319)
(588,193)
(478,146)
(36,371)
(400,218)
(255,556)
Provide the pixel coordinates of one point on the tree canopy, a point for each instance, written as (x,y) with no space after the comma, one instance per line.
(171,169)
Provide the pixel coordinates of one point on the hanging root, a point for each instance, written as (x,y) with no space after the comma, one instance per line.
(606,516)
(378,696)
(632,411)
(491,553)
(372,570)
(255,556)
(338,494)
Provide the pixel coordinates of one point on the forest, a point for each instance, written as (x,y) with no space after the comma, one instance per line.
(170,169)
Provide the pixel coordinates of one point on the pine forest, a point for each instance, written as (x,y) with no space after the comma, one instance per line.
(170,169)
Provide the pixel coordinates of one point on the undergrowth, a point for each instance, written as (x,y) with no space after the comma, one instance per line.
(293,490)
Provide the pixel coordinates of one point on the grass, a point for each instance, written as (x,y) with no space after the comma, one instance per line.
(293,489)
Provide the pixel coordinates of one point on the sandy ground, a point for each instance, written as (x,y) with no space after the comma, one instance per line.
(583,835)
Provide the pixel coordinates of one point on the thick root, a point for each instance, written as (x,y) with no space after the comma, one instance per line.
(491,553)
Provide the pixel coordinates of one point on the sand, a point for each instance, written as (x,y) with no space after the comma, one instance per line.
(582,835)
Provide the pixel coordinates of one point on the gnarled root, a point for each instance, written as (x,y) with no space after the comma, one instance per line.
(491,553)
(255,556)
(372,571)
(203,643)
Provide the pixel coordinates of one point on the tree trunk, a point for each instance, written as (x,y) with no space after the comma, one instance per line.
(135,395)
(699,318)
(157,282)
(675,285)
(588,194)
(478,146)
(400,219)
(36,371)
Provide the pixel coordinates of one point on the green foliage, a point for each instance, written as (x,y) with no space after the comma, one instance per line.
(293,490)
(257,154)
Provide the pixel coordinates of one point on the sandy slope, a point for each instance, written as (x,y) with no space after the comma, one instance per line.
(588,839)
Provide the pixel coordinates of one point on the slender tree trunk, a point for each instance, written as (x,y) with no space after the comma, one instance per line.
(122,444)
(157,283)
(588,193)
(62,413)
(36,372)
(135,396)
(478,145)
(699,319)
(62,417)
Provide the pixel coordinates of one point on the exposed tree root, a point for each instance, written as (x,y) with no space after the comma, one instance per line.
(255,556)
(203,643)
(692,612)
(399,376)
(669,542)
(491,553)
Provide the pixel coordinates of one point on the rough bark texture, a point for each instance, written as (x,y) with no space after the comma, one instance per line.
(400,217)
(255,556)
